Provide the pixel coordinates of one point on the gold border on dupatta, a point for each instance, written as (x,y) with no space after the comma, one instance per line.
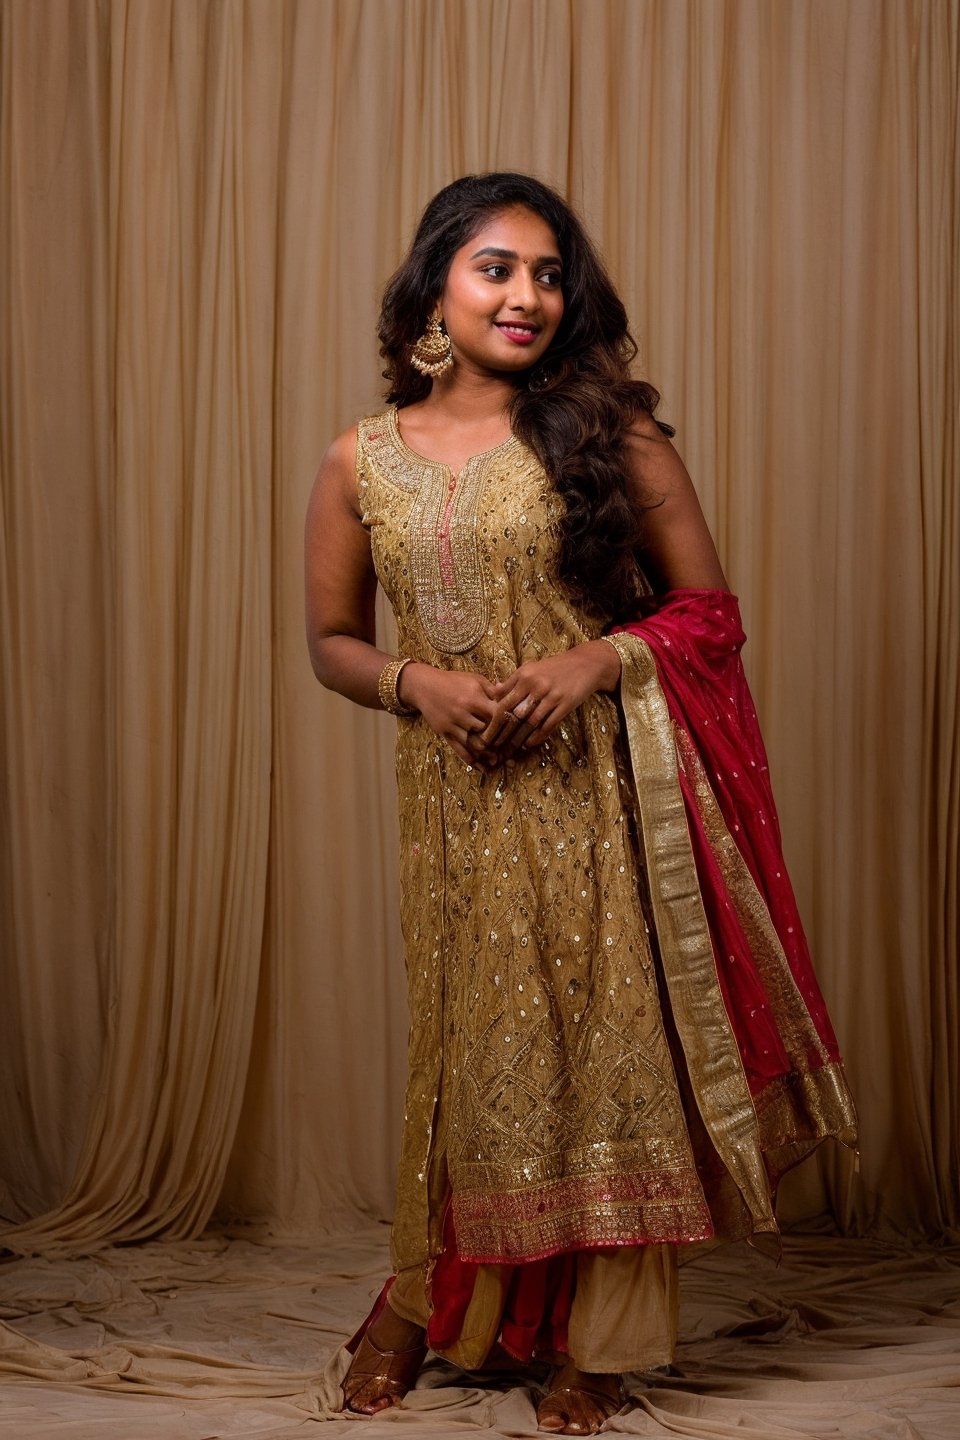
(709,1045)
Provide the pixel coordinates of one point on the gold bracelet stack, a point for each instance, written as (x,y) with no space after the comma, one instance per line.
(387,688)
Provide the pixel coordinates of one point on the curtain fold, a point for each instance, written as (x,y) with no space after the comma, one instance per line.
(201,200)
(185,231)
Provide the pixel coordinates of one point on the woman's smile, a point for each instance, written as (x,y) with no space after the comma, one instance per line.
(520,332)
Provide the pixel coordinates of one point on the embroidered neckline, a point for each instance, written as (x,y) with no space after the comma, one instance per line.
(393,432)
(442,540)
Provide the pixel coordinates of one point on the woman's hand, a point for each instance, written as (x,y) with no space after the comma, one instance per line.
(531,703)
(457,705)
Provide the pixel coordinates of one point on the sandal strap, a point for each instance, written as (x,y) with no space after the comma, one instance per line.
(420,1350)
(372,1318)
(393,1370)
(603,1396)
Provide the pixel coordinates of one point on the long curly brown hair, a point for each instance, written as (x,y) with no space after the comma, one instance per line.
(574,407)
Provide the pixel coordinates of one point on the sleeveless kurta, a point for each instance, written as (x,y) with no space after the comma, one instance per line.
(542,1104)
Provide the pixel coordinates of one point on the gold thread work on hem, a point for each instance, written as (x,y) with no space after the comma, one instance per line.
(499,1225)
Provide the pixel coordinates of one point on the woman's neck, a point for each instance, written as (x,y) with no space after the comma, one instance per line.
(469,397)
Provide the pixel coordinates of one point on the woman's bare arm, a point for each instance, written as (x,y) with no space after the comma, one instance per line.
(341,584)
(679,552)
(341,588)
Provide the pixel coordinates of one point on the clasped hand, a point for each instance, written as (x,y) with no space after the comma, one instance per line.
(486,722)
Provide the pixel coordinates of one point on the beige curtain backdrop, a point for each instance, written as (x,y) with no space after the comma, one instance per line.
(202,980)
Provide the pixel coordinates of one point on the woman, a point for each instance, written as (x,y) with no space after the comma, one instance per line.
(618,1045)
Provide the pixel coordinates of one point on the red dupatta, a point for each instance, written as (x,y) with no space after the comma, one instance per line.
(735,958)
(695,637)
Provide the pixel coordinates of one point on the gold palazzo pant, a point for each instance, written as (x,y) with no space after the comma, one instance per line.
(624,1314)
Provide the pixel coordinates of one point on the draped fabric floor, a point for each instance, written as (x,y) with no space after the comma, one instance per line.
(226,1336)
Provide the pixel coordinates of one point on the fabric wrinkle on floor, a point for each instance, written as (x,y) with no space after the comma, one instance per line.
(230,1336)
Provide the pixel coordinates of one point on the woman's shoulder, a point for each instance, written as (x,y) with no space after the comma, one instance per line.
(341,453)
(343,464)
(642,428)
(338,461)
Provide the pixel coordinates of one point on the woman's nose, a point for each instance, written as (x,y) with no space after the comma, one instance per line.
(523,292)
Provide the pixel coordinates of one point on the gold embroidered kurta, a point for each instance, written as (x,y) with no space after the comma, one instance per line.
(542,1098)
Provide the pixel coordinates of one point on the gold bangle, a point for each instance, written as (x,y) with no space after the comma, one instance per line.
(387,688)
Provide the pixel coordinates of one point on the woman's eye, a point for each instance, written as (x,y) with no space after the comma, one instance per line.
(551,278)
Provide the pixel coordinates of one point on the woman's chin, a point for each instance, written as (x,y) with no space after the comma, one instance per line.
(510,366)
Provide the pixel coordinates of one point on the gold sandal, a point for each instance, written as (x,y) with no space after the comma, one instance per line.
(609,1404)
(393,1371)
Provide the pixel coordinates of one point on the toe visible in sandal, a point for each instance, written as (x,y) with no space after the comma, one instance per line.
(566,1403)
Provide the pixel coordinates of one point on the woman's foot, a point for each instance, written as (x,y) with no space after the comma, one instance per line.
(386,1364)
(578,1403)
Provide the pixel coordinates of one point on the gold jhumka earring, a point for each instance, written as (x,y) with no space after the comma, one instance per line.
(433,352)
